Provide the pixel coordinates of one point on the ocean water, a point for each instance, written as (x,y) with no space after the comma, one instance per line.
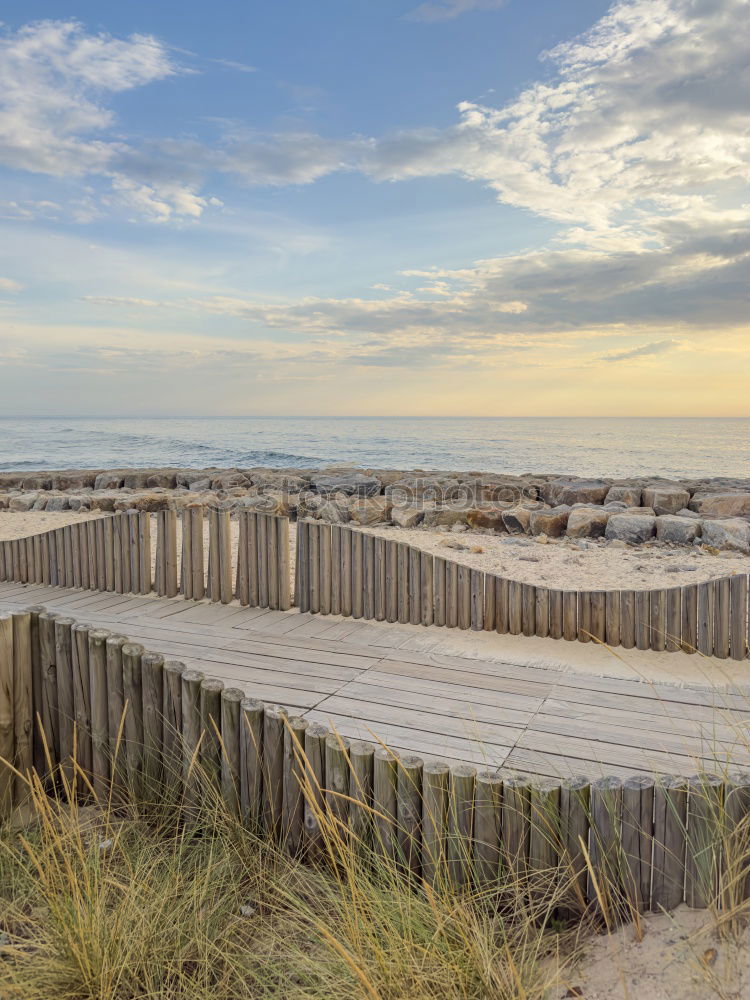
(672,447)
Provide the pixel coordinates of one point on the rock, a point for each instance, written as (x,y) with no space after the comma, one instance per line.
(665,499)
(232,477)
(638,511)
(686,512)
(732,534)
(104,499)
(199,485)
(551,523)
(453,543)
(41,502)
(73,479)
(616,543)
(629,495)
(350,485)
(58,503)
(79,503)
(264,503)
(435,516)
(516,520)
(615,505)
(488,518)
(459,527)
(721,504)
(407,517)
(167,479)
(108,481)
(23,502)
(569,491)
(370,510)
(632,528)
(678,530)
(334,512)
(143,501)
(587,522)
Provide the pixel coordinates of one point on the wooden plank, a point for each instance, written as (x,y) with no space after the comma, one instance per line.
(612,613)
(502,605)
(738,635)
(674,619)
(570,615)
(642,619)
(574,838)
(415,586)
(314,565)
(403,583)
(335,569)
(637,838)
(262,541)
(272,546)
(704,838)
(358,575)
(368,576)
(346,572)
(668,859)
(658,619)
(542,612)
(584,615)
(722,617)
(528,609)
(325,567)
(689,619)
(477,600)
(515,607)
(379,573)
(705,618)
(438,591)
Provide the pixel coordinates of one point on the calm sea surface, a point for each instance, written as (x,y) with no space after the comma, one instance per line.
(581,446)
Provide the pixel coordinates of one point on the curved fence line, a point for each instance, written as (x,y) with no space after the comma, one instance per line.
(342,570)
(96,715)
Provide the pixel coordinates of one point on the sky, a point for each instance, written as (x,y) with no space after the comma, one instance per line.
(463,207)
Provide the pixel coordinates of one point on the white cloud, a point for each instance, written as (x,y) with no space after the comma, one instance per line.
(8,285)
(644,351)
(446,10)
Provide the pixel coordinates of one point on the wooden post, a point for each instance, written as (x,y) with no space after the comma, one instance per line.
(584,616)
(502,605)
(37,726)
(642,619)
(346,571)
(391,581)
(324,550)
(23,706)
(488,613)
(264,595)
(477,600)
(488,805)
(315,760)
(75,553)
(368,576)
(337,771)
(144,553)
(70,571)
(274,726)
(302,567)
(605,847)
(574,838)
(415,586)
(197,566)
(435,779)
(282,536)
(461,824)
(438,590)
(107,524)
(82,697)
(739,616)
(7,737)
(736,867)
(381,588)
(132,686)
(670,818)
(542,612)
(409,813)
(251,762)
(674,619)
(314,567)
(191,736)
(516,825)
(99,713)
(358,575)
(50,720)
(598,615)
(116,712)
(152,674)
(658,619)
(704,838)
(214,556)
(544,840)
(528,609)
(335,569)
(272,561)
(186,558)
(385,768)
(464,597)
(210,707)
(361,757)
(83,548)
(64,661)
(515,607)
(231,757)
(166,553)
(403,583)
(689,627)
(101,553)
(253,563)
(637,839)
(134,531)
(705,612)
(293,802)
(722,611)
(171,737)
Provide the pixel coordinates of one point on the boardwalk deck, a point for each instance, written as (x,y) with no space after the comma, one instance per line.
(399,684)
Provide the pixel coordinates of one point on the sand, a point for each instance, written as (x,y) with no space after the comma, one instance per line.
(555,564)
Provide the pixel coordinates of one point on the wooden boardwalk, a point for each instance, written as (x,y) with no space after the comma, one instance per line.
(392,683)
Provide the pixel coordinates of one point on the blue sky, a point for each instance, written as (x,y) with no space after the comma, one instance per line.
(463,206)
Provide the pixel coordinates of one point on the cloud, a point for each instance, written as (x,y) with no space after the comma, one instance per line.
(446,10)
(645,351)
(8,285)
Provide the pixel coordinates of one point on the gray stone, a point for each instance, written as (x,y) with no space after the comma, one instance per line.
(678,530)
(200,484)
(435,516)
(632,528)
(226,480)
(551,523)
(58,503)
(263,503)
(665,499)
(569,491)
(516,520)
(488,518)
(370,510)
(721,504)
(732,534)
(104,499)
(23,502)
(629,495)
(641,511)
(164,477)
(334,512)
(41,502)
(407,517)
(351,485)
(587,522)
(686,512)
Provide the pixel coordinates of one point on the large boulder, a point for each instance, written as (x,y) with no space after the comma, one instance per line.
(333,511)
(166,478)
(350,484)
(665,499)
(551,523)
(587,522)
(143,501)
(231,477)
(407,517)
(569,491)
(74,479)
(435,517)
(41,502)
(104,499)
(108,481)
(58,503)
(23,502)
(721,504)
(516,520)
(628,494)
(678,530)
(263,503)
(631,528)
(487,518)
(370,510)
(39,481)
(732,534)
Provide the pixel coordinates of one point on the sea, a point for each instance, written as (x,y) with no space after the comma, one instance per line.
(582,446)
